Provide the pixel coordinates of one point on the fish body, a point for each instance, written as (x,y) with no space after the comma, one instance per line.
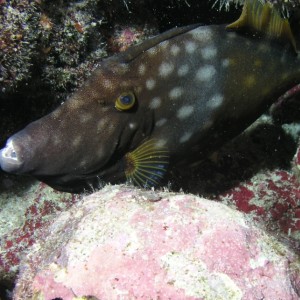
(185,92)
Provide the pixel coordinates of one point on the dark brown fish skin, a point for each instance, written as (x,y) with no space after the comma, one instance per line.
(195,87)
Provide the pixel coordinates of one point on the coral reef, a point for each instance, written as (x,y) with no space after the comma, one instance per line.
(18,41)
(47,48)
(37,37)
(271,197)
(296,163)
(25,210)
(131,244)
(284,6)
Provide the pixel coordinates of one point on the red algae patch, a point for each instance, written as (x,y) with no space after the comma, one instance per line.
(125,243)
(23,215)
(272,197)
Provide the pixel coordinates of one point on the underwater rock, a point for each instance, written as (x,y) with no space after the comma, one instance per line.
(125,243)
(24,213)
(296,163)
(272,197)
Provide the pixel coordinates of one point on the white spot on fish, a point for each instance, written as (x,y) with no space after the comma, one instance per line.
(83,163)
(215,101)
(176,92)
(77,141)
(124,84)
(231,35)
(161,143)
(155,103)
(225,63)
(122,69)
(84,117)
(263,48)
(164,44)
(190,47)
(110,128)
(100,153)
(185,111)
(56,140)
(102,124)
(186,136)
(152,51)
(165,69)
(206,73)
(161,122)
(142,69)
(183,70)
(107,83)
(132,125)
(209,52)
(202,34)
(150,83)
(174,50)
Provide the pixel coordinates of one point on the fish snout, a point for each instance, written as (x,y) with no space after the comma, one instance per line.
(10,157)
(16,154)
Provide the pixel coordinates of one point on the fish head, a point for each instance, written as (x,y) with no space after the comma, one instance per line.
(87,136)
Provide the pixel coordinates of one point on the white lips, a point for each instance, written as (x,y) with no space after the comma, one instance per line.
(9,151)
(9,159)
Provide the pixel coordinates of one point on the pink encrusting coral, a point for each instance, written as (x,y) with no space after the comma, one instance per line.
(124,243)
(23,214)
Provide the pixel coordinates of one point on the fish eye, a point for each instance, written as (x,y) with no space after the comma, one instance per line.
(125,101)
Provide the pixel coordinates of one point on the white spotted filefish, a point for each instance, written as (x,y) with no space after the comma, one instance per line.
(188,90)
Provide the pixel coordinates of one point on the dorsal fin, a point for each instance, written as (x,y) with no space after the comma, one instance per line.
(263,18)
(136,50)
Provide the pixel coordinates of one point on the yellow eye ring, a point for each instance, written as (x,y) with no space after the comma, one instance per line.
(125,101)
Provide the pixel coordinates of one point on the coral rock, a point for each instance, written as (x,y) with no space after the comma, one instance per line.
(273,197)
(296,162)
(124,243)
(23,214)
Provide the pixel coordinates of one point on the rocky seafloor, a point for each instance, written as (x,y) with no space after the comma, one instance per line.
(126,243)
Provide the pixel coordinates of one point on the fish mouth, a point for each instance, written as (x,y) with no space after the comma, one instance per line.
(10,159)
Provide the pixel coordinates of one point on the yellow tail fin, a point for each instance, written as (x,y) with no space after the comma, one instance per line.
(263,18)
